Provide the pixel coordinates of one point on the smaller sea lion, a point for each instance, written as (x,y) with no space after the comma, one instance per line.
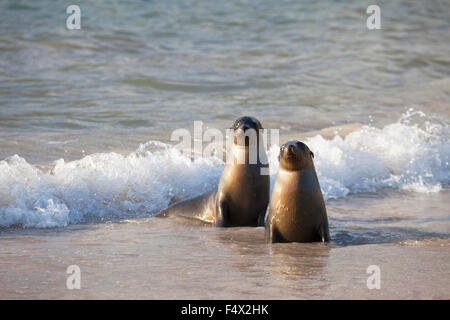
(297,210)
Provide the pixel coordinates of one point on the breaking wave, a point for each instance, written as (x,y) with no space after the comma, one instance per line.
(412,154)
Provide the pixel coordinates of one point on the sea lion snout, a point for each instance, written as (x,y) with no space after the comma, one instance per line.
(291,152)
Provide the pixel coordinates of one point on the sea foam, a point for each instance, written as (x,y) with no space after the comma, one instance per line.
(412,154)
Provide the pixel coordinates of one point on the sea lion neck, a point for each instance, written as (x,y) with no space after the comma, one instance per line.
(295,165)
(247,154)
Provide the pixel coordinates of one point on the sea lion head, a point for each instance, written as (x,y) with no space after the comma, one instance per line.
(246,131)
(295,155)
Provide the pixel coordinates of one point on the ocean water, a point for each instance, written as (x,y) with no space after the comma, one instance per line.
(402,157)
(86,158)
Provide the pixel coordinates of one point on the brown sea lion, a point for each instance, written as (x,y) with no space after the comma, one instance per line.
(243,193)
(297,210)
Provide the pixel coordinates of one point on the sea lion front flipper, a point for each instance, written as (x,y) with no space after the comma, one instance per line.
(323,232)
(276,236)
(273,235)
(262,218)
(222,219)
(269,234)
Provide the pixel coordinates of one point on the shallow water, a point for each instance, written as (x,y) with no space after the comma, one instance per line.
(86,159)
(167,259)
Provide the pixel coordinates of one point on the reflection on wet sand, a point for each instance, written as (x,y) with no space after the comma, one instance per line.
(300,266)
(286,267)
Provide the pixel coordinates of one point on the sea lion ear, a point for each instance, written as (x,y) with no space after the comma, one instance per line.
(258,125)
(312,154)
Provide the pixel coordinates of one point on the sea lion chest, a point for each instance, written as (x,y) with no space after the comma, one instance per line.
(296,202)
(245,190)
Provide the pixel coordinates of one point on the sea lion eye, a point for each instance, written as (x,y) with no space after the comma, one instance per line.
(312,154)
(235,125)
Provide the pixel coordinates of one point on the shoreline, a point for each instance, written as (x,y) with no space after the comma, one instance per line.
(140,262)
(175,258)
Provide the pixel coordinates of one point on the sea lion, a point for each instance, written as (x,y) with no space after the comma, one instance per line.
(297,210)
(243,193)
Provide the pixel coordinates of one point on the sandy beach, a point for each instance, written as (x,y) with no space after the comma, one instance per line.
(173,259)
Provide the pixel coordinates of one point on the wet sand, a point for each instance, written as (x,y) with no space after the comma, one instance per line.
(176,258)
